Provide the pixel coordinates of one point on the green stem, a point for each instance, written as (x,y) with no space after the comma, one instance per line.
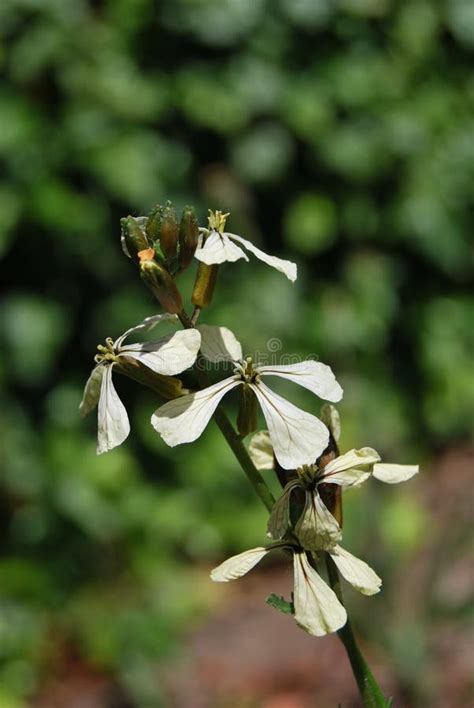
(369,689)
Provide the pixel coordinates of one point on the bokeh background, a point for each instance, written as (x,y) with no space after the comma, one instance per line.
(340,135)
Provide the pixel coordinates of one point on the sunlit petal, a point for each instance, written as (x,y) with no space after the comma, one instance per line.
(317,609)
(313,375)
(184,419)
(145,326)
(393,474)
(298,438)
(352,468)
(168,355)
(356,571)
(286,267)
(113,425)
(219,344)
(261,450)
(317,528)
(239,565)
(218,248)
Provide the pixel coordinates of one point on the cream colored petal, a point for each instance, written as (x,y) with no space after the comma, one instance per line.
(219,344)
(239,565)
(219,249)
(261,450)
(145,326)
(286,267)
(393,474)
(352,468)
(92,388)
(168,355)
(330,417)
(298,438)
(356,571)
(317,609)
(313,375)
(184,419)
(113,424)
(317,528)
(280,515)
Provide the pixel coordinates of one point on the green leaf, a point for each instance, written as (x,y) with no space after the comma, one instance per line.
(280,604)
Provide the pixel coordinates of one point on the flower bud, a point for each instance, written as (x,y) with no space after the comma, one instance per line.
(162,226)
(188,237)
(161,284)
(204,285)
(133,237)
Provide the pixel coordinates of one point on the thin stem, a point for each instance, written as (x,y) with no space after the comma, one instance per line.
(369,689)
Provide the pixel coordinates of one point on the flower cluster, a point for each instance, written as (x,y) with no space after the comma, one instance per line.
(304,522)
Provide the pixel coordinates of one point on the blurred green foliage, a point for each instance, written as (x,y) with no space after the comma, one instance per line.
(338,135)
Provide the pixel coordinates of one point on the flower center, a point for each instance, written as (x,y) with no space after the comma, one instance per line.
(246,372)
(106,352)
(308,476)
(216,220)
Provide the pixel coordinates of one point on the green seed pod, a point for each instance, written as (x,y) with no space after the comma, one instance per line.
(204,284)
(162,285)
(133,237)
(188,237)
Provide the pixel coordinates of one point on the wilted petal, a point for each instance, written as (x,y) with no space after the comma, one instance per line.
(313,375)
(113,425)
(239,565)
(280,515)
(261,450)
(145,326)
(352,468)
(298,438)
(330,417)
(92,390)
(184,419)
(219,344)
(356,571)
(317,609)
(317,528)
(168,355)
(286,267)
(392,474)
(218,249)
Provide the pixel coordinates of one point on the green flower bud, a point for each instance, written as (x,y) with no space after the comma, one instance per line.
(163,226)
(188,237)
(161,284)
(204,285)
(133,237)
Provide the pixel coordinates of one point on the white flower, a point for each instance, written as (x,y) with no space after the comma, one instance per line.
(298,438)
(316,607)
(216,246)
(168,355)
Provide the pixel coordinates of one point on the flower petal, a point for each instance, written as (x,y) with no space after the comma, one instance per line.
(261,450)
(113,424)
(356,571)
(144,326)
(92,388)
(313,375)
(298,438)
(317,528)
(168,355)
(352,468)
(218,249)
(219,344)
(184,419)
(317,609)
(239,565)
(286,267)
(392,474)
(280,515)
